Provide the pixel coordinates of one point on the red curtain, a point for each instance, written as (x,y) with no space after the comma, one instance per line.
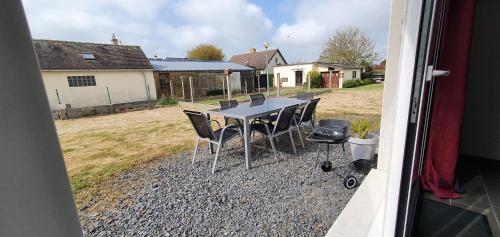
(449,98)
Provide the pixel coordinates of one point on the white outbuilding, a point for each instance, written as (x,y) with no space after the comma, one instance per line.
(332,75)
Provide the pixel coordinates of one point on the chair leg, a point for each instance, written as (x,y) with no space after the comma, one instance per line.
(195,150)
(274,148)
(216,156)
(343,149)
(300,137)
(291,140)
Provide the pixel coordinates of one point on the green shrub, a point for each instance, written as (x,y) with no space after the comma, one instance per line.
(361,128)
(315,77)
(166,101)
(356,83)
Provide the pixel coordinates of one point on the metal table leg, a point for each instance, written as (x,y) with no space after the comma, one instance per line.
(246,138)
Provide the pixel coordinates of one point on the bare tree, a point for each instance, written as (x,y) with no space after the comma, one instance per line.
(349,46)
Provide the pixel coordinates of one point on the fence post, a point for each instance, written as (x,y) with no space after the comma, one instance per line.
(223,87)
(191,89)
(246,87)
(228,87)
(183,92)
(278,84)
(109,96)
(330,80)
(309,82)
(171,89)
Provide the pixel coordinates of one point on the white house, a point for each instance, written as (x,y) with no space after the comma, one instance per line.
(257,60)
(89,74)
(332,75)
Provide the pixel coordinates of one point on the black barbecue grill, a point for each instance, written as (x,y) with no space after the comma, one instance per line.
(329,132)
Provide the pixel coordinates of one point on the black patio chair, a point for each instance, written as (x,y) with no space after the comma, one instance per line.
(260,98)
(225,104)
(271,131)
(305,117)
(204,130)
(257,97)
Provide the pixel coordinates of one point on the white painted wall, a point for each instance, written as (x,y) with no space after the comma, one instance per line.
(124,86)
(288,72)
(275,61)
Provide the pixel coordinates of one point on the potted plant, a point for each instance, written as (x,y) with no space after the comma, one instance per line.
(363,141)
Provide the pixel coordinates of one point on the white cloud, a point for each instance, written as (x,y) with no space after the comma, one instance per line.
(166,28)
(171,27)
(316,20)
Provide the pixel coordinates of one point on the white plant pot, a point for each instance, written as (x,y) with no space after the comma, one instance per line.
(363,148)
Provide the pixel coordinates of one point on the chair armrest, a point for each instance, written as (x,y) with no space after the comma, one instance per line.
(224,129)
(215,122)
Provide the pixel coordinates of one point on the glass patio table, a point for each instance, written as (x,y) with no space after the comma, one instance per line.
(251,110)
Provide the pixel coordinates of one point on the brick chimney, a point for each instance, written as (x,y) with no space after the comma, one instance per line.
(252,50)
(114,40)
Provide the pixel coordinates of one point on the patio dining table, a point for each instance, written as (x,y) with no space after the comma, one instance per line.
(251,110)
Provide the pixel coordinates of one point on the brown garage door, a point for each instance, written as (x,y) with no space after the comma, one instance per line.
(325,79)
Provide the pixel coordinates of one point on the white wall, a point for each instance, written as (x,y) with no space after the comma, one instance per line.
(124,86)
(289,73)
(273,63)
(481,126)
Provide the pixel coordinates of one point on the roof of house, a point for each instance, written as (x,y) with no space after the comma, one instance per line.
(335,65)
(190,65)
(67,55)
(257,59)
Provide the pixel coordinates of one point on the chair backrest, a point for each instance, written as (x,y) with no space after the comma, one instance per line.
(285,118)
(305,95)
(257,97)
(228,103)
(200,123)
(308,111)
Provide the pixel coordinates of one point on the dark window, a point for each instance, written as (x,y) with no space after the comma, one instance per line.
(353,74)
(79,81)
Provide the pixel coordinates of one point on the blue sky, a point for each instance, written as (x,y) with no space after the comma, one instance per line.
(171,27)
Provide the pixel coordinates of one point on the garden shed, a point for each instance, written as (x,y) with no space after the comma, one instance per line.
(177,77)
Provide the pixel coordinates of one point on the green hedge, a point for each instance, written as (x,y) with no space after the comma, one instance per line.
(315,76)
(166,101)
(356,83)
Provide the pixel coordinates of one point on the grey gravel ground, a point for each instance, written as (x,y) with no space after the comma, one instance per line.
(169,197)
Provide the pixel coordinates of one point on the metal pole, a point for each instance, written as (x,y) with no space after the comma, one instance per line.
(171,89)
(267,74)
(278,78)
(58,99)
(109,96)
(183,92)
(258,82)
(228,87)
(330,80)
(191,89)
(246,87)
(309,82)
(223,88)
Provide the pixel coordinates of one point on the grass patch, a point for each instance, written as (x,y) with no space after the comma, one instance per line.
(166,101)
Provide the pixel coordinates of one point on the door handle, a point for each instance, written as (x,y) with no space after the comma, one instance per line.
(431,73)
(440,73)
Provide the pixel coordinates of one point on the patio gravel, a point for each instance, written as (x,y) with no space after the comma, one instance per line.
(170,197)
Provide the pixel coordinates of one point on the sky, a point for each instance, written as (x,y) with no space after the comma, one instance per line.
(169,28)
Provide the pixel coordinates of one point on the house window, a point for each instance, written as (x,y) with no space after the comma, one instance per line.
(284,79)
(80,81)
(353,74)
(88,56)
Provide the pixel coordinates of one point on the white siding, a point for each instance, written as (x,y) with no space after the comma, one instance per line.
(288,72)
(124,86)
(275,58)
